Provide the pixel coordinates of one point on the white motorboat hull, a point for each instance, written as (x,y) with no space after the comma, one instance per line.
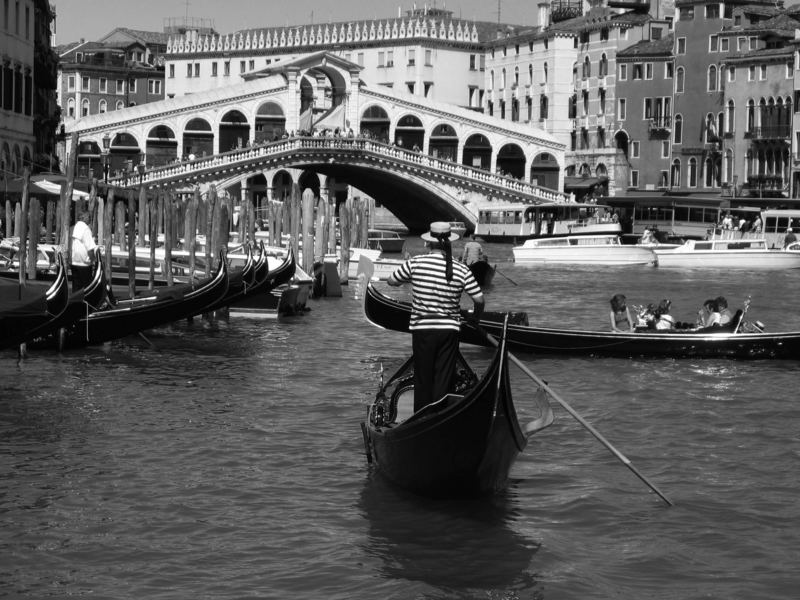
(610,255)
(762,260)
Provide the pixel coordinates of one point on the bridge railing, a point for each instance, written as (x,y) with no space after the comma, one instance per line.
(186,169)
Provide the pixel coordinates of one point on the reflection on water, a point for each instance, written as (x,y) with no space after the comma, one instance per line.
(226,461)
(456,545)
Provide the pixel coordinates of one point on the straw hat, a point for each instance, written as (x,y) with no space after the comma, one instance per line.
(439,230)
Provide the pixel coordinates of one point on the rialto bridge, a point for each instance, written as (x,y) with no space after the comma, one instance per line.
(313,122)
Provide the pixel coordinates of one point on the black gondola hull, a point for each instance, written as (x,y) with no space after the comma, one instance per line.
(393,314)
(38,315)
(131,317)
(483,272)
(462,445)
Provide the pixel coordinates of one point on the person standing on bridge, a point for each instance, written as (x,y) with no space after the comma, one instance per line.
(437,283)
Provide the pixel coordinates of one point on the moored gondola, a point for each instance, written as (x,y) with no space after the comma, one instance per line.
(260,301)
(24,316)
(713,342)
(462,444)
(81,303)
(167,304)
(240,280)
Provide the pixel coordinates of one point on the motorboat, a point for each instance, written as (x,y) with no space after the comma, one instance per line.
(730,253)
(385,240)
(607,250)
(515,222)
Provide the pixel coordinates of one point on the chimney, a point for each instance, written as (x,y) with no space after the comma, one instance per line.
(544,14)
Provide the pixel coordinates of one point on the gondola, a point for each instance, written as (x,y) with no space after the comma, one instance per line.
(241,281)
(81,303)
(25,315)
(260,300)
(171,303)
(483,272)
(713,342)
(463,444)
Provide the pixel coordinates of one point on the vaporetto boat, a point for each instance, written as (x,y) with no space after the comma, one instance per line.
(743,253)
(605,250)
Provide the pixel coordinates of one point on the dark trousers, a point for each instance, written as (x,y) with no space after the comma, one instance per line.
(435,354)
(81,276)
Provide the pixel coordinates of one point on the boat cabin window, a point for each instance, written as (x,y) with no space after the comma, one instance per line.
(703,245)
(776,224)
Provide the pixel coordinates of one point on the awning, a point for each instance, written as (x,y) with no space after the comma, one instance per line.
(50,187)
(39,188)
(582,183)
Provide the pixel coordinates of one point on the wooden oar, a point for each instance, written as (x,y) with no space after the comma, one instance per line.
(496,270)
(624,459)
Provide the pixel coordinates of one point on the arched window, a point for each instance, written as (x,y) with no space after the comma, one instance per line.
(530,74)
(544,68)
(693,172)
(675,173)
(677,131)
(85,107)
(728,166)
(679,77)
(102,106)
(748,163)
(712,78)
(71,107)
(491,80)
(751,115)
(731,117)
(503,79)
(120,105)
(708,168)
(587,68)
(603,66)
(516,76)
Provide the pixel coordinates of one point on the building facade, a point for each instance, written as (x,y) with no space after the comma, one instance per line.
(27,87)
(645,76)
(123,70)
(428,53)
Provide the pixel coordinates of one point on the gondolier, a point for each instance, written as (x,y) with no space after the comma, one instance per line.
(437,285)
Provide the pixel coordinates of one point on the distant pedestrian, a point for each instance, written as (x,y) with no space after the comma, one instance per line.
(83,252)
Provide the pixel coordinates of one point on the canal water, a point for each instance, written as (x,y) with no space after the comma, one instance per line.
(226,461)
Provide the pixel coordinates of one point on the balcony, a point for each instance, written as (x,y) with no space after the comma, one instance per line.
(766,185)
(660,126)
(769,133)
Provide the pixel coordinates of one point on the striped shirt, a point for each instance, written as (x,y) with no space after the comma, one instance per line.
(435,302)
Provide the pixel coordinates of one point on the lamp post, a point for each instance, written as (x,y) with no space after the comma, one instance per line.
(106,148)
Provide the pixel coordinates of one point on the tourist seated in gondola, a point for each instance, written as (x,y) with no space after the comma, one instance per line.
(663,320)
(645,317)
(708,315)
(725,314)
(620,314)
